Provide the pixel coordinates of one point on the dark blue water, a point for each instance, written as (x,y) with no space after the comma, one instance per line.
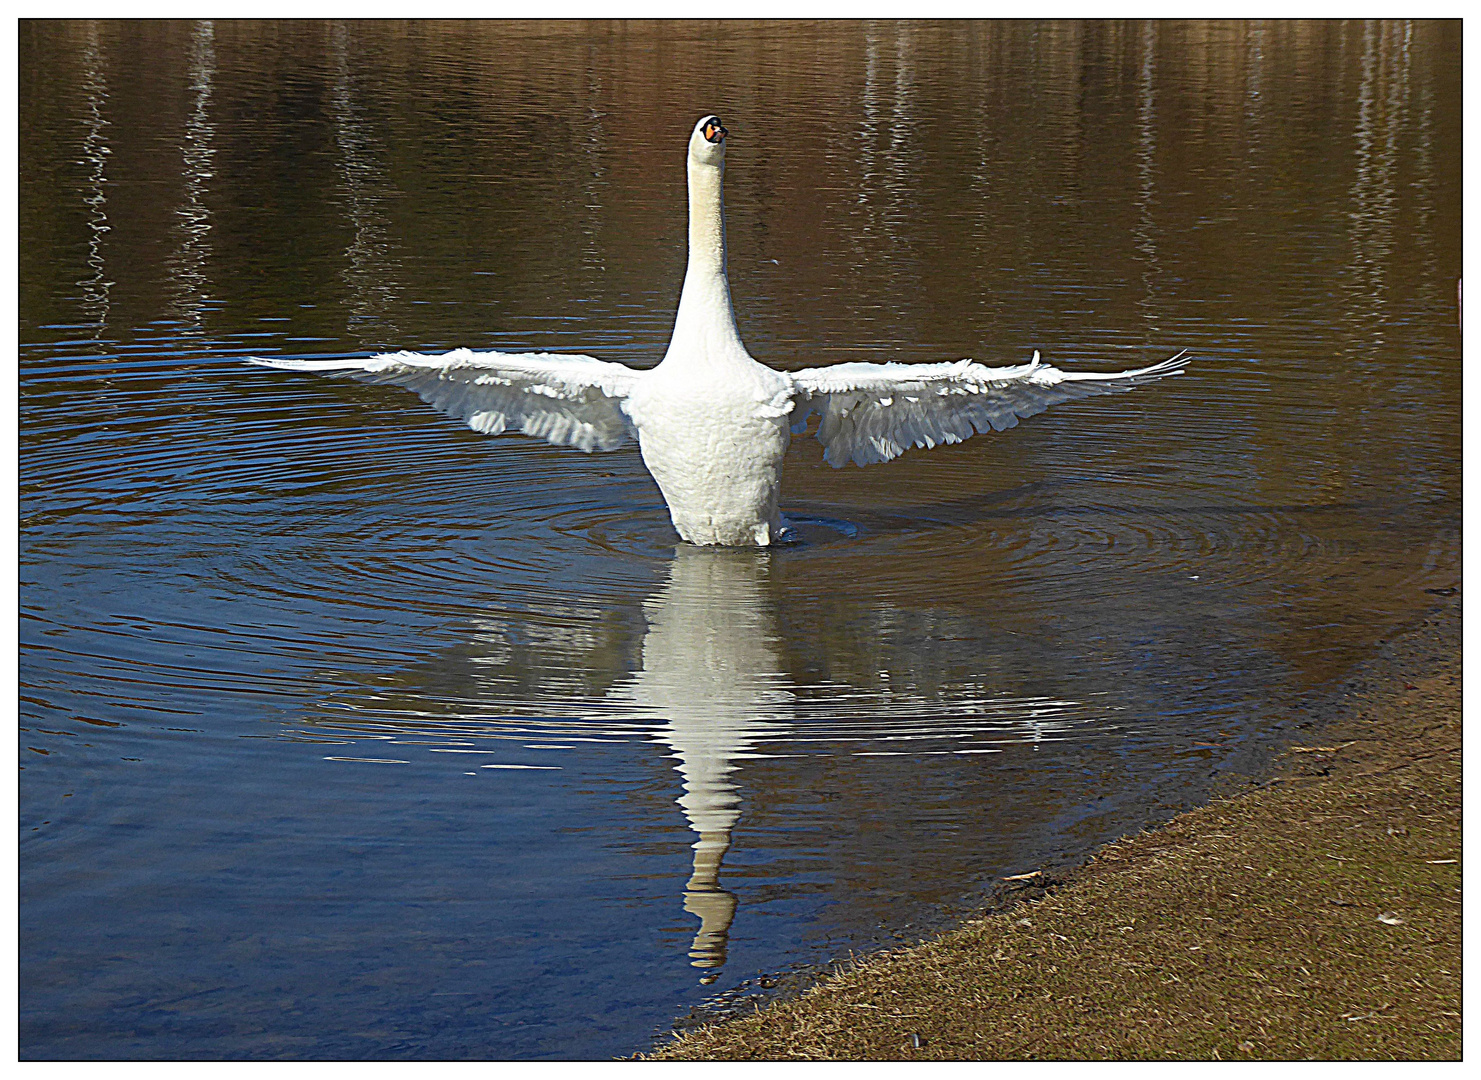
(348,733)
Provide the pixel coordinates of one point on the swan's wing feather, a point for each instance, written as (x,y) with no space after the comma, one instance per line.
(568,400)
(874,412)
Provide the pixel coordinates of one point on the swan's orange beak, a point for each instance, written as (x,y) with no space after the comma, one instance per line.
(714,132)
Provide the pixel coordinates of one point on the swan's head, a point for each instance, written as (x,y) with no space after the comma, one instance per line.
(707,144)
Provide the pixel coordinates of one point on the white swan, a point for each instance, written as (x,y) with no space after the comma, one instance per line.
(711,423)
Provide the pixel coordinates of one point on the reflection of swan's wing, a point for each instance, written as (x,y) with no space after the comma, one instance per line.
(875,412)
(567,400)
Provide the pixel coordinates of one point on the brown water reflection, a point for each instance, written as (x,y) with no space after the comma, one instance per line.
(239,592)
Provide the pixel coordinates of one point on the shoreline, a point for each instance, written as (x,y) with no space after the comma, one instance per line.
(1316,913)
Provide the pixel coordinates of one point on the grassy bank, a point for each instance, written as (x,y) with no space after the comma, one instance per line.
(1316,916)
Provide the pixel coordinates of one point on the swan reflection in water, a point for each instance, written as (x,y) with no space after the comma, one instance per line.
(707,677)
(711,669)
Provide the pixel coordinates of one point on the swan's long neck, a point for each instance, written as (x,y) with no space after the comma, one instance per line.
(706,220)
(705,324)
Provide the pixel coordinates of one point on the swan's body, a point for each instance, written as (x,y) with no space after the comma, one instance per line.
(711,423)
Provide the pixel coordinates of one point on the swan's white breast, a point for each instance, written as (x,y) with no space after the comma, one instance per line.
(713,436)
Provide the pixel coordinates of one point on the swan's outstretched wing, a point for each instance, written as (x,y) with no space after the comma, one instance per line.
(568,400)
(875,412)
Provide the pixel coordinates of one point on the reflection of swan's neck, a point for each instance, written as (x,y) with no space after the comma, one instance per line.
(708,852)
(705,320)
(704,897)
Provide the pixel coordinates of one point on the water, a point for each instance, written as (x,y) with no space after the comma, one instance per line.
(346,732)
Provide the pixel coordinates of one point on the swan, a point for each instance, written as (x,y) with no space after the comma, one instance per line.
(711,423)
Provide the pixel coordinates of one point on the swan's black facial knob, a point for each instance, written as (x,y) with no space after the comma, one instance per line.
(713,131)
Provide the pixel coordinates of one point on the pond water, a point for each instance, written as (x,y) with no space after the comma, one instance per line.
(347,732)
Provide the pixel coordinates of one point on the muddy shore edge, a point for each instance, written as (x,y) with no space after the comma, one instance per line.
(1315,915)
